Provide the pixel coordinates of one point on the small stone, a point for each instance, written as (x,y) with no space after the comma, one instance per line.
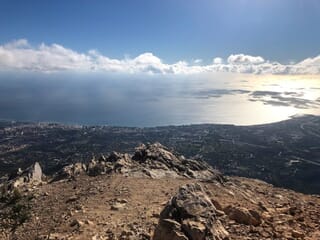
(88,222)
(297,234)
(72,199)
(76,223)
(117,206)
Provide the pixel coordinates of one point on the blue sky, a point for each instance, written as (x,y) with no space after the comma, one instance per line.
(173,30)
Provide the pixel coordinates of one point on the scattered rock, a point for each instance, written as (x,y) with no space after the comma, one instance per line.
(126,203)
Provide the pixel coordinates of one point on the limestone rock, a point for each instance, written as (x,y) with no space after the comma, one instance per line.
(169,229)
(70,171)
(160,161)
(151,160)
(243,216)
(190,215)
(96,168)
(115,162)
(35,172)
(32,174)
(195,229)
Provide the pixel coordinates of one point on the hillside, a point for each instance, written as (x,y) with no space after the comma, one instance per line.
(151,194)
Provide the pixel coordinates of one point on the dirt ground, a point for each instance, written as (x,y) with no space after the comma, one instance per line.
(119,207)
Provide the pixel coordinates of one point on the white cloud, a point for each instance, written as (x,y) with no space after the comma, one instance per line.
(217,60)
(20,43)
(20,55)
(244,59)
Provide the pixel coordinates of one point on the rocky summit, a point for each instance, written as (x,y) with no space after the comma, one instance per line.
(152,160)
(153,193)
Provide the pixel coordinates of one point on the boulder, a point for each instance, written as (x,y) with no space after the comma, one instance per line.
(115,156)
(70,171)
(155,151)
(96,168)
(32,174)
(190,214)
(243,216)
(35,172)
(195,229)
(115,162)
(156,157)
(169,229)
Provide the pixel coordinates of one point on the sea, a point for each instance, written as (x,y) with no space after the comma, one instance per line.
(156,100)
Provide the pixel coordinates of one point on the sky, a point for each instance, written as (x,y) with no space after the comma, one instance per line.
(169,31)
(147,62)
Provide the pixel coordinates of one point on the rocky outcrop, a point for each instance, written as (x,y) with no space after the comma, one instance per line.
(114,163)
(70,171)
(151,160)
(96,168)
(157,159)
(31,175)
(190,215)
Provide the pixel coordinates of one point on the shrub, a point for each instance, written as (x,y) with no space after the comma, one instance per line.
(14,209)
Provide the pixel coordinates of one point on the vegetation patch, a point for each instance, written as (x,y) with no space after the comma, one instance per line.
(15,208)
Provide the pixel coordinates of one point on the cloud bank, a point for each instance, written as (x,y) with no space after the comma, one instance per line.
(20,55)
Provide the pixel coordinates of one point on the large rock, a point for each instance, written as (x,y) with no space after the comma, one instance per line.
(169,229)
(114,163)
(32,174)
(243,216)
(121,162)
(35,172)
(96,168)
(70,171)
(155,158)
(190,215)
(157,152)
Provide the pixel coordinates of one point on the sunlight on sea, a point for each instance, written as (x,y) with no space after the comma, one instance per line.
(131,100)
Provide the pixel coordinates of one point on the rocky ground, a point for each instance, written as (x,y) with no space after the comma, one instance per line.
(157,194)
